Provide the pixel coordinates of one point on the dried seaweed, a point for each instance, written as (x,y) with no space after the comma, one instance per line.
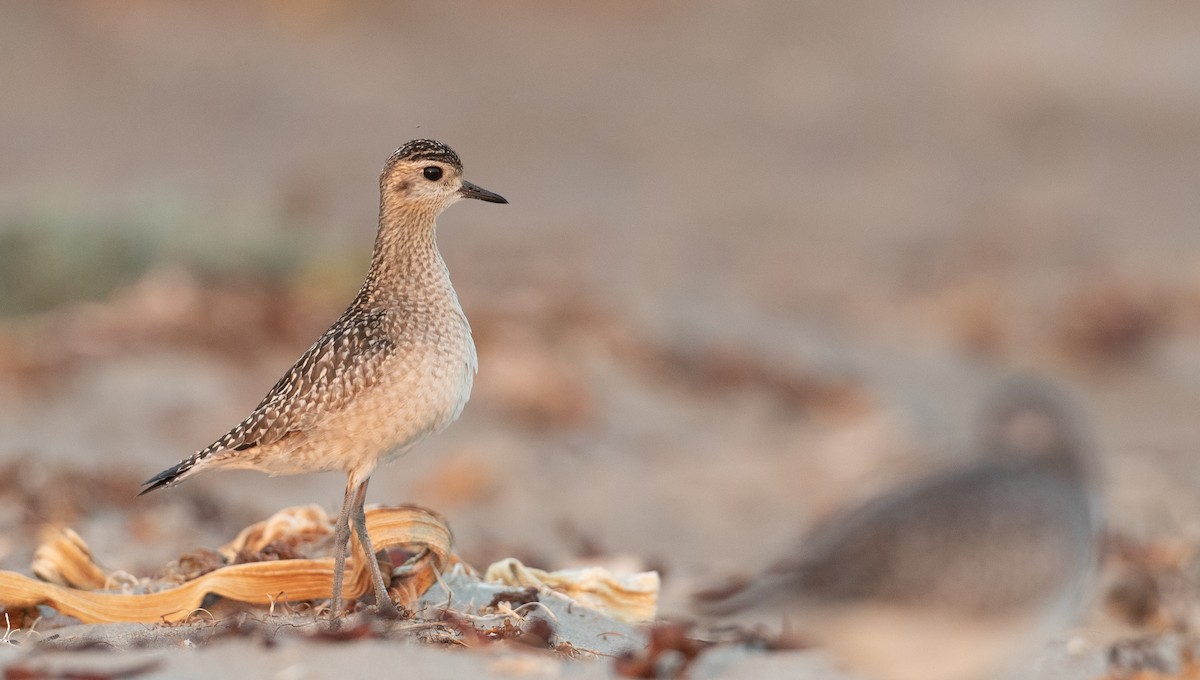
(280,563)
(669,653)
(73,584)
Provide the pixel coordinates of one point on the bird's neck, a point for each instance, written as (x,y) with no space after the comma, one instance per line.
(406,266)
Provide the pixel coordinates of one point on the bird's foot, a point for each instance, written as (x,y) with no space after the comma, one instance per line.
(335,613)
(387,610)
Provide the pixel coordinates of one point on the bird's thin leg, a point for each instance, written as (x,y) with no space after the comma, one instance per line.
(383,602)
(341,536)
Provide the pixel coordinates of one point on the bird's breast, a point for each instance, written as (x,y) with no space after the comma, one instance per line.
(426,384)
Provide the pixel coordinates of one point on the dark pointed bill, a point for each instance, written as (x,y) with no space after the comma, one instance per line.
(469,190)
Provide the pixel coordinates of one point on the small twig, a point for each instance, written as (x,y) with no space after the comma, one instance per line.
(211,617)
(123,580)
(33,625)
(437,577)
(505,608)
(549,612)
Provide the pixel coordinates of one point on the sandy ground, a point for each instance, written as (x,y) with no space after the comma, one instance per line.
(760,261)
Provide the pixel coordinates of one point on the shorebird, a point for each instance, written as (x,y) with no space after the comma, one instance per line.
(951,577)
(396,367)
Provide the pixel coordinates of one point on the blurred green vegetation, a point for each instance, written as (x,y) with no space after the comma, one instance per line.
(55,256)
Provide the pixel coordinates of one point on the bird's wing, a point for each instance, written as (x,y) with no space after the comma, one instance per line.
(962,537)
(339,366)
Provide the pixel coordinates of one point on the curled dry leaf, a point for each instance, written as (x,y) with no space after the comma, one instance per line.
(632,598)
(72,581)
(301,524)
(64,559)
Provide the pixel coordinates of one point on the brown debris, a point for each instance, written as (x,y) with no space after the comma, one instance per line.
(192,565)
(473,636)
(535,633)
(468,635)
(275,550)
(360,629)
(668,654)
(1150,658)
(1155,586)
(16,618)
(1112,320)
(516,598)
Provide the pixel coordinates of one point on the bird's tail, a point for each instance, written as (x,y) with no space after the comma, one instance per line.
(170,476)
(736,595)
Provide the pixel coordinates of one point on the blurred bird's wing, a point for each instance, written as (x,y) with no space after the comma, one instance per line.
(985,538)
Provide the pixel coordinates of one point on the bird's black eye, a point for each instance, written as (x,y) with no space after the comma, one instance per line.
(433,173)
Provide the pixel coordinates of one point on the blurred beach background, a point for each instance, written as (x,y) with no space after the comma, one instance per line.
(762,259)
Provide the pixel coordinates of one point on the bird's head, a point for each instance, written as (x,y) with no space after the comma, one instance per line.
(426,176)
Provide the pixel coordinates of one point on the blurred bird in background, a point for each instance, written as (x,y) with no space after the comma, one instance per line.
(954,576)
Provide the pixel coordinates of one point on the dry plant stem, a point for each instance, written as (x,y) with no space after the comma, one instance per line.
(352,511)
